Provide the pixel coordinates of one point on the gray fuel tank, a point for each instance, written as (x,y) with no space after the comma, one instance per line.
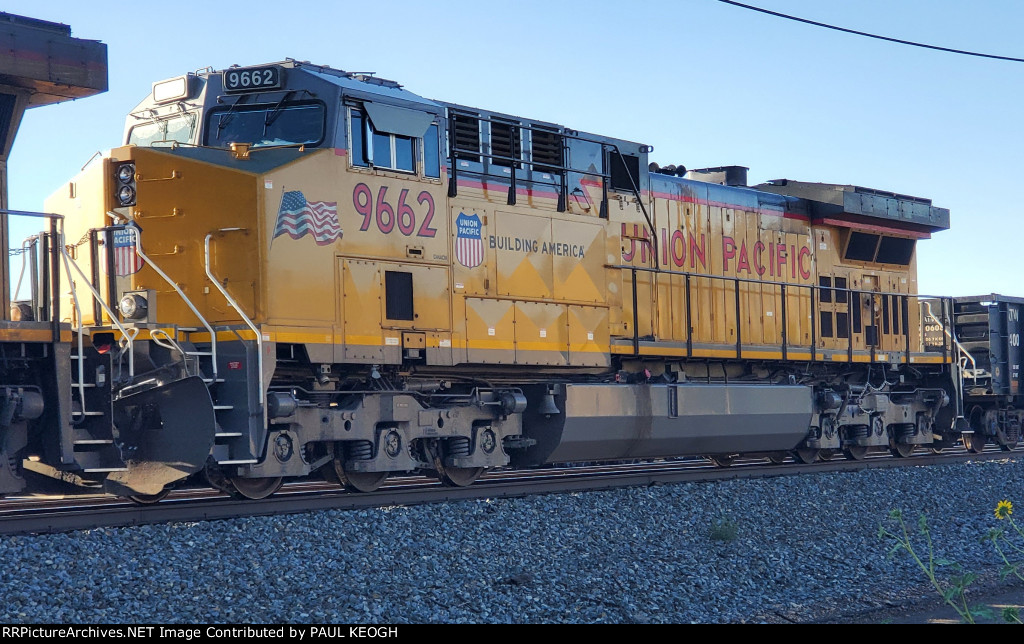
(617,421)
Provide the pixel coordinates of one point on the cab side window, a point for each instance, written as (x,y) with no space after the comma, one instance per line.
(393,138)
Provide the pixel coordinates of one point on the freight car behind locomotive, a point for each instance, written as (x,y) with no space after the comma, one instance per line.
(989,329)
(371,282)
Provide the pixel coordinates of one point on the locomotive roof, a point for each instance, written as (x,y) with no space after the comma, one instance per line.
(735,196)
(833,199)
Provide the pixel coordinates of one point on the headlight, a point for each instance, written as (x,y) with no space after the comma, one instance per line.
(126,196)
(126,172)
(133,306)
(124,184)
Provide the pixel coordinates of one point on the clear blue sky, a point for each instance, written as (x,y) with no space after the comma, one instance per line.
(705,83)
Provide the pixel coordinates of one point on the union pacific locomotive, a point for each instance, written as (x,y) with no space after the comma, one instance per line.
(341,276)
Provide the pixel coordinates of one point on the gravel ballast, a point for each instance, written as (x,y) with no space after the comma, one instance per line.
(806,548)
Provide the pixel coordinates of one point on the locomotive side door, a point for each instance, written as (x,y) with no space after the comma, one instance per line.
(894,326)
(873,308)
(859,318)
(835,302)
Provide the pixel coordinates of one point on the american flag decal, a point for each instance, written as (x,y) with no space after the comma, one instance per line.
(469,243)
(298,218)
(126,260)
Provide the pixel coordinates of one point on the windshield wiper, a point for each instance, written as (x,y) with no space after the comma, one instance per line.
(275,112)
(227,117)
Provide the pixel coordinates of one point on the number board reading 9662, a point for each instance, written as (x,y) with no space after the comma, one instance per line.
(252,79)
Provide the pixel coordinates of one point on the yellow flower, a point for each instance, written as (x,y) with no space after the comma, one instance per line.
(1004,509)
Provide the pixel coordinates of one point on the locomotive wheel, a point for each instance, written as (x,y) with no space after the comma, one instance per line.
(807,455)
(855,452)
(216,478)
(149,499)
(777,458)
(448,475)
(259,488)
(975,443)
(901,450)
(826,454)
(460,476)
(722,460)
(358,481)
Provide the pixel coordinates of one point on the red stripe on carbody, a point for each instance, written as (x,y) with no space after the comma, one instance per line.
(482,185)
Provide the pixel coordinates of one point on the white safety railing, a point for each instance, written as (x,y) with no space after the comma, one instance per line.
(963,355)
(59,245)
(177,289)
(80,327)
(234,304)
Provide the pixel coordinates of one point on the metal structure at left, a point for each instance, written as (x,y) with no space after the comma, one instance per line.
(42,65)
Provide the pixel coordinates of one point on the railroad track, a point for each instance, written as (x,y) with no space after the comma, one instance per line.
(84,511)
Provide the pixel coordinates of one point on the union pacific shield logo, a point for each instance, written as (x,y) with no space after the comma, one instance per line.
(126,260)
(469,242)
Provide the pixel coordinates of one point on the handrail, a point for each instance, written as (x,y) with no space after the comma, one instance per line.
(52,308)
(26,244)
(31,213)
(126,341)
(106,308)
(68,263)
(177,289)
(956,343)
(156,334)
(783,286)
(78,333)
(668,271)
(235,305)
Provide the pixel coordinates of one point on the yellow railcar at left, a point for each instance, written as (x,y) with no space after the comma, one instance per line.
(40,425)
(65,411)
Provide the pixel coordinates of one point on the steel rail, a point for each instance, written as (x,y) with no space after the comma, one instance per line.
(95,511)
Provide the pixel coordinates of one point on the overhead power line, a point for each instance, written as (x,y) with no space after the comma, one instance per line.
(876,36)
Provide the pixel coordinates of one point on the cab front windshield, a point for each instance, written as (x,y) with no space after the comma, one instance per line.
(168,131)
(266,125)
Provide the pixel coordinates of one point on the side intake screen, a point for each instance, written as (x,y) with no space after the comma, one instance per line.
(467,137)
(895,250)
(861,247)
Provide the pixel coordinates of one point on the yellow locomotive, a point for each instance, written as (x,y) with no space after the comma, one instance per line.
(371,282)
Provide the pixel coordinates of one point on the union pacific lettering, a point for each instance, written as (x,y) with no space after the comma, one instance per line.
(771,259)
(674,247)
(781,259)
(524,245)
